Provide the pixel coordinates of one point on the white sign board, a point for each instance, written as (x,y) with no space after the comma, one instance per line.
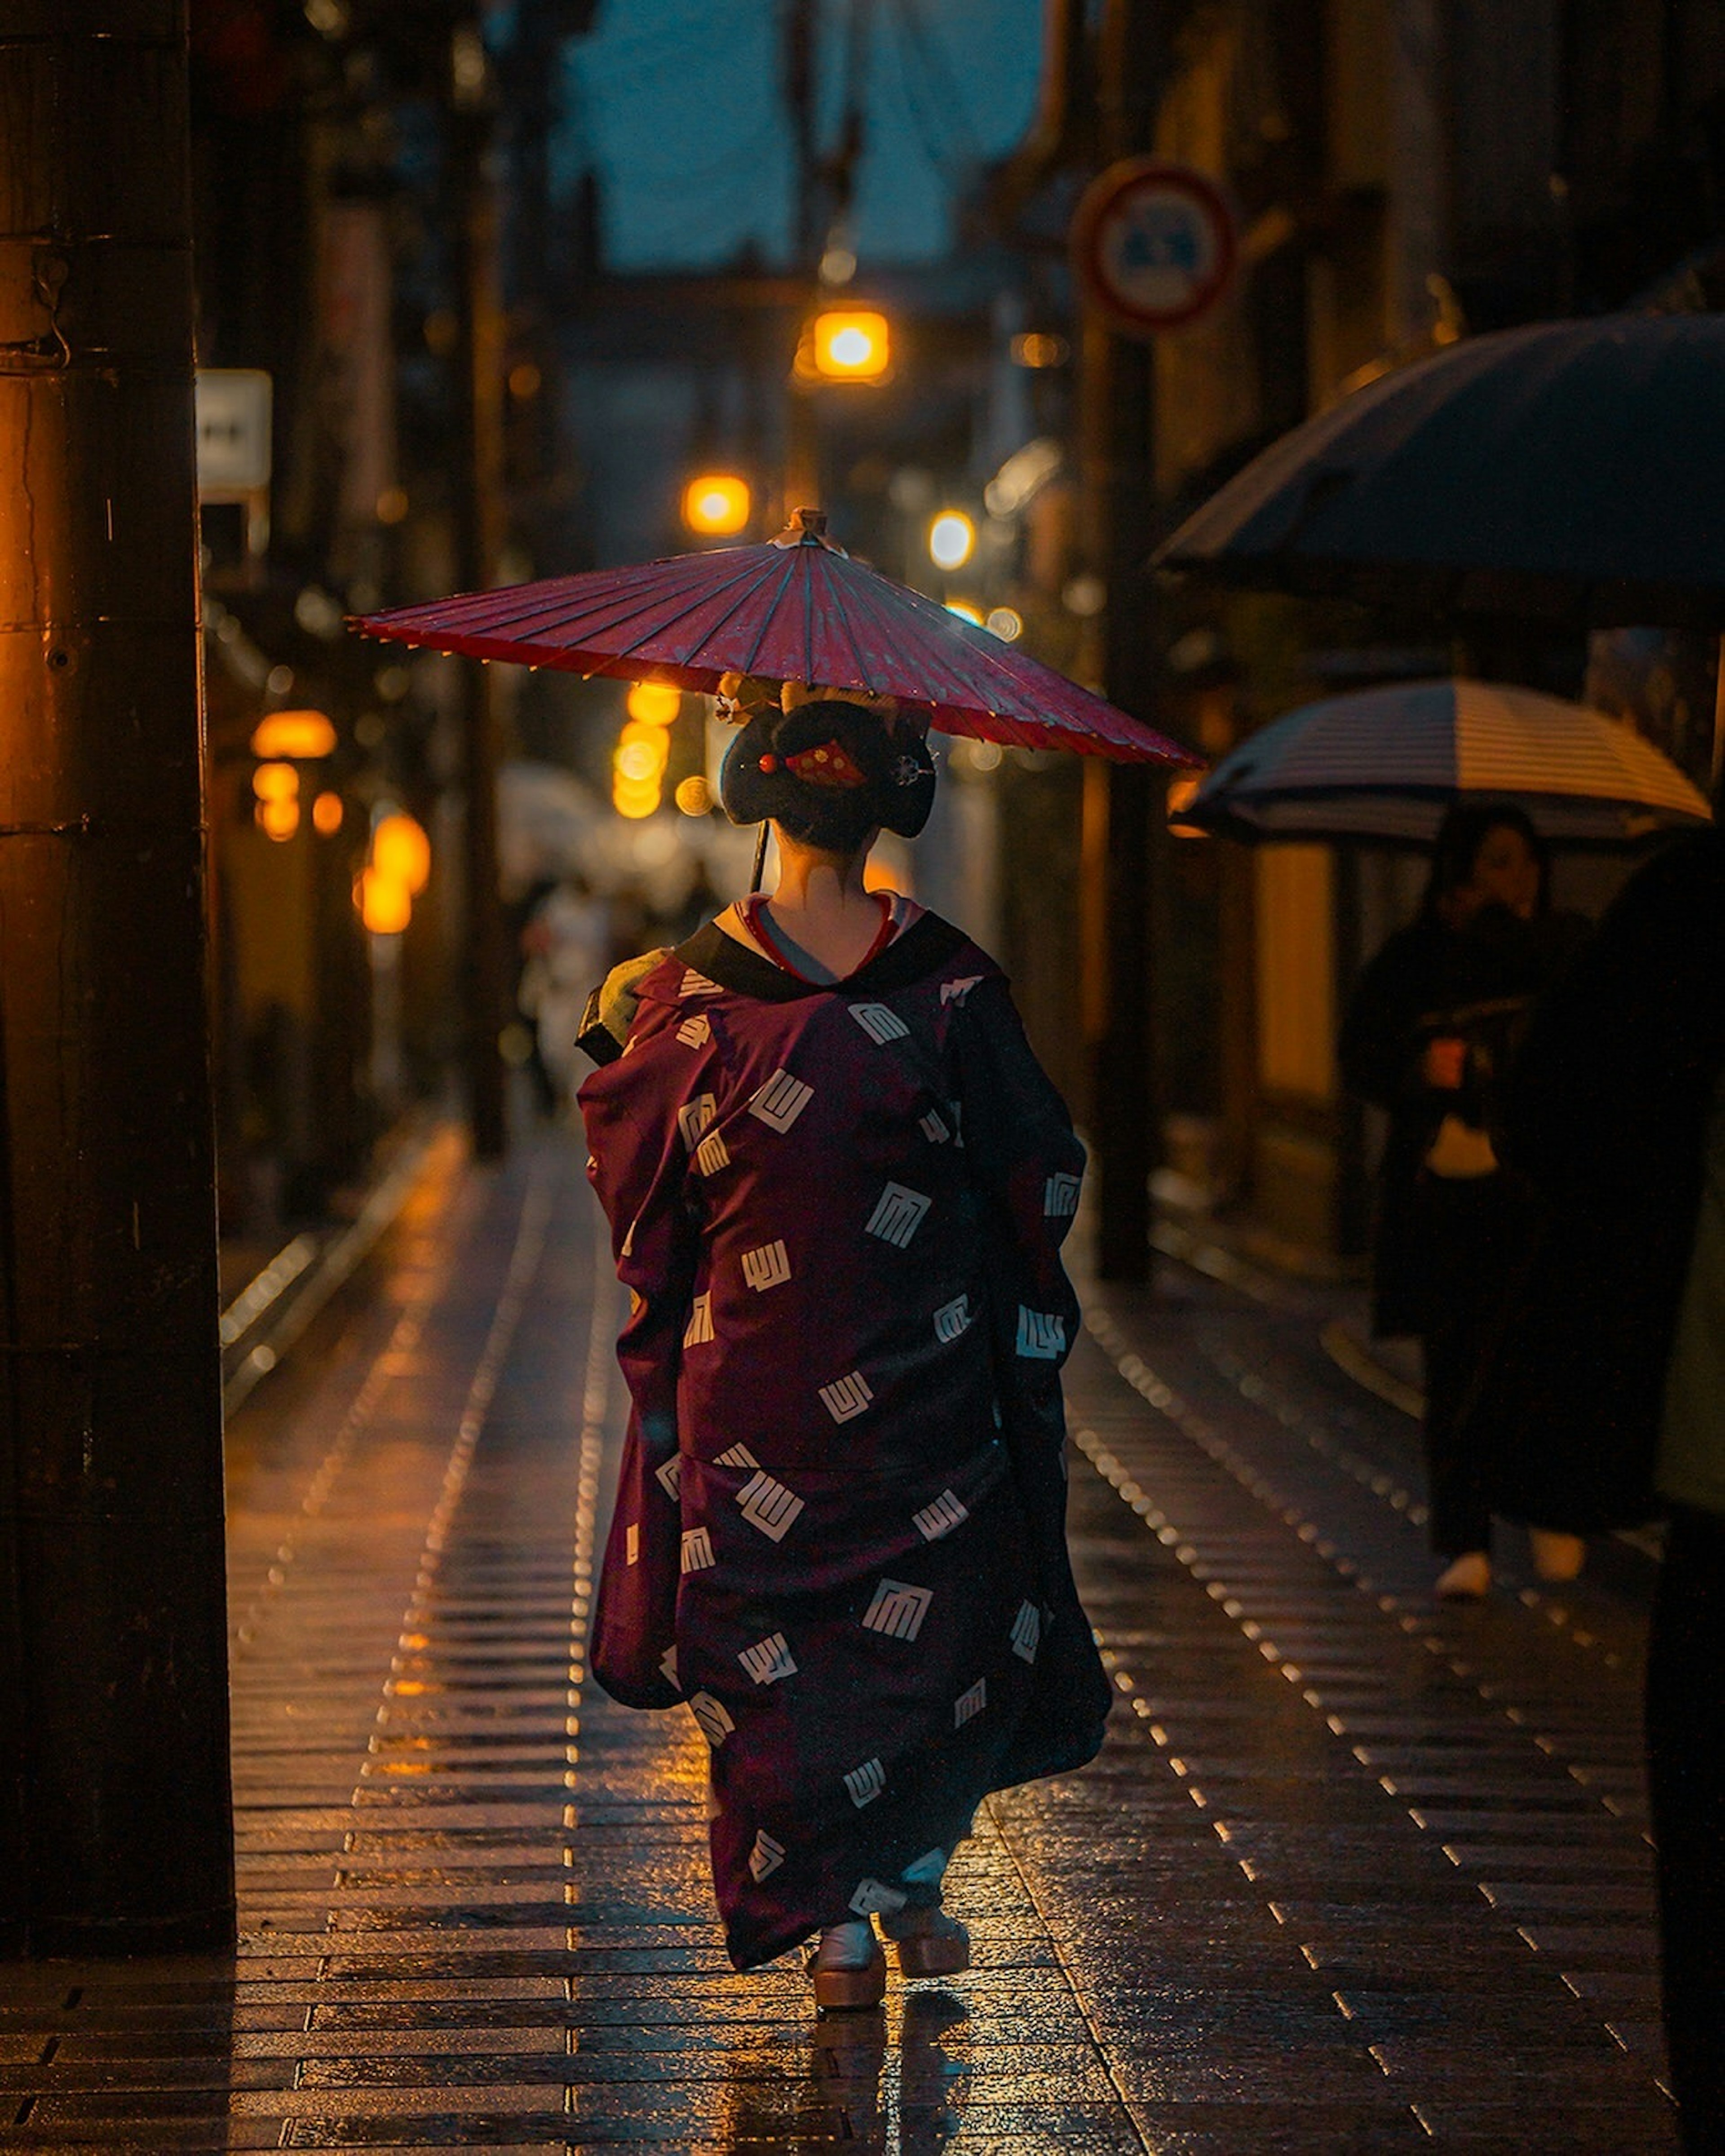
(233,406)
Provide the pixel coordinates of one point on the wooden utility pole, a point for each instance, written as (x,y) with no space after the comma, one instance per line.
(1117,467)
(116,1811)
(480,539)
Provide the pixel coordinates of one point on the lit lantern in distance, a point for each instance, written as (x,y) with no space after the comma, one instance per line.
(301,735)
(850,344)
(385,905)
(655,703)
(398,870)
(401,851)
(717,504)
(276,805)
(643,749)
(327,811)
(951,539)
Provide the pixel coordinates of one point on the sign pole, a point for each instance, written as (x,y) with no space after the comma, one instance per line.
(1152,244)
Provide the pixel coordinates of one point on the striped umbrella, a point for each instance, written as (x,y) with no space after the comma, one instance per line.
(796,609)
(1381,766)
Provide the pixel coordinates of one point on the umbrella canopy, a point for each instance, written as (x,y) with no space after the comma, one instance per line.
(1569,471)
(1382,764)
(797,609)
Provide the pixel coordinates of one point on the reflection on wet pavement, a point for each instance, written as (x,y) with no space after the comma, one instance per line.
(1354,1872)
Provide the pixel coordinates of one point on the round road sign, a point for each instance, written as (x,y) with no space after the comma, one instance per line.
(1154,244)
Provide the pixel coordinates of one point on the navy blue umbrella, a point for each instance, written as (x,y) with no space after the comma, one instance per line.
(1572,472)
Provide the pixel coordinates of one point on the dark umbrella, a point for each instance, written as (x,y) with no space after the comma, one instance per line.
(796,609)
(1572,472)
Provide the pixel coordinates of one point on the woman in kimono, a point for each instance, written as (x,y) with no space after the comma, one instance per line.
(838,1182)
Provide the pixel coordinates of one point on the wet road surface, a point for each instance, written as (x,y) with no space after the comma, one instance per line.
(1355,1871)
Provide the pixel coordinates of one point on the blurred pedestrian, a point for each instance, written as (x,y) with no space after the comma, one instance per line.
(567,941)
(1614,1366)
(838,1182)
(1429,1036)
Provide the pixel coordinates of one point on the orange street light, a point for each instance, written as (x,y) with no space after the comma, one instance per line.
(655,703)
(401,851)
(386,906)
(302,736)
(850,344)
(717,504)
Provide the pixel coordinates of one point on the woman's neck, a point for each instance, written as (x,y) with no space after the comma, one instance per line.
(822,905)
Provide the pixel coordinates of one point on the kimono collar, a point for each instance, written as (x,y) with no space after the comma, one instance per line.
(924,946)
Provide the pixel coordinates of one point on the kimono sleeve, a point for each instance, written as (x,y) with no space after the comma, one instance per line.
(638,1169)
(1027,1164)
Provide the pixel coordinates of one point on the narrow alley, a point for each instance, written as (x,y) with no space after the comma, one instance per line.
(1356,1871)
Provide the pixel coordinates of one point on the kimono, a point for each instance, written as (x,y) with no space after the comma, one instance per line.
(839,1528)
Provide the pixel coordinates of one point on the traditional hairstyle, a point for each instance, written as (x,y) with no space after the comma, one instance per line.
(829,773)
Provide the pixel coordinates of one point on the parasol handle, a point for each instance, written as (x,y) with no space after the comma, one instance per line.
(760,859)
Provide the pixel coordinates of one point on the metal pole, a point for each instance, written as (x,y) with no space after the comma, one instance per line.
(110,1454)
(481,525)
(1118,433)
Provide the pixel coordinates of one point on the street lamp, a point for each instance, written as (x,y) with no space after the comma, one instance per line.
(951,539)
(296,736)
(643,749)
(717,504)
(850,344)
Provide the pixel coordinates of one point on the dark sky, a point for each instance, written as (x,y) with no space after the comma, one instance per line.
(678,104)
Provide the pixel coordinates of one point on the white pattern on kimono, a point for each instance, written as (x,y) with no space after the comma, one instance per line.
(865,1783)
(780,1100)
(897,1609)
(970,1704)
(898,1214)
(1042,1334)
(846,1397)
(712,1154)
(952,1318)
(697,1550)
(770,1266)
(1059,1197)
(765,1858)
(940,1517)
(1027,1631)
(694,1116)
(700,1327)
(879,1022)
(710,1715)
(769,1659)
(768,1505)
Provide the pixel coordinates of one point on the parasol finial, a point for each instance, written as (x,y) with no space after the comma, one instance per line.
(813,523)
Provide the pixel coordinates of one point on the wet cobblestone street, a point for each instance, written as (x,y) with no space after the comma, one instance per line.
(1355,1872)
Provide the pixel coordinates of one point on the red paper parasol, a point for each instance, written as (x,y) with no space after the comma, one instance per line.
(796,609)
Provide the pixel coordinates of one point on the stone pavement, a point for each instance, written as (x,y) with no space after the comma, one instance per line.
(1354,1872)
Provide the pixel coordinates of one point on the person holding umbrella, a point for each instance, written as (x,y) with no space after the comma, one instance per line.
(1429,1036)
(838,1182)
